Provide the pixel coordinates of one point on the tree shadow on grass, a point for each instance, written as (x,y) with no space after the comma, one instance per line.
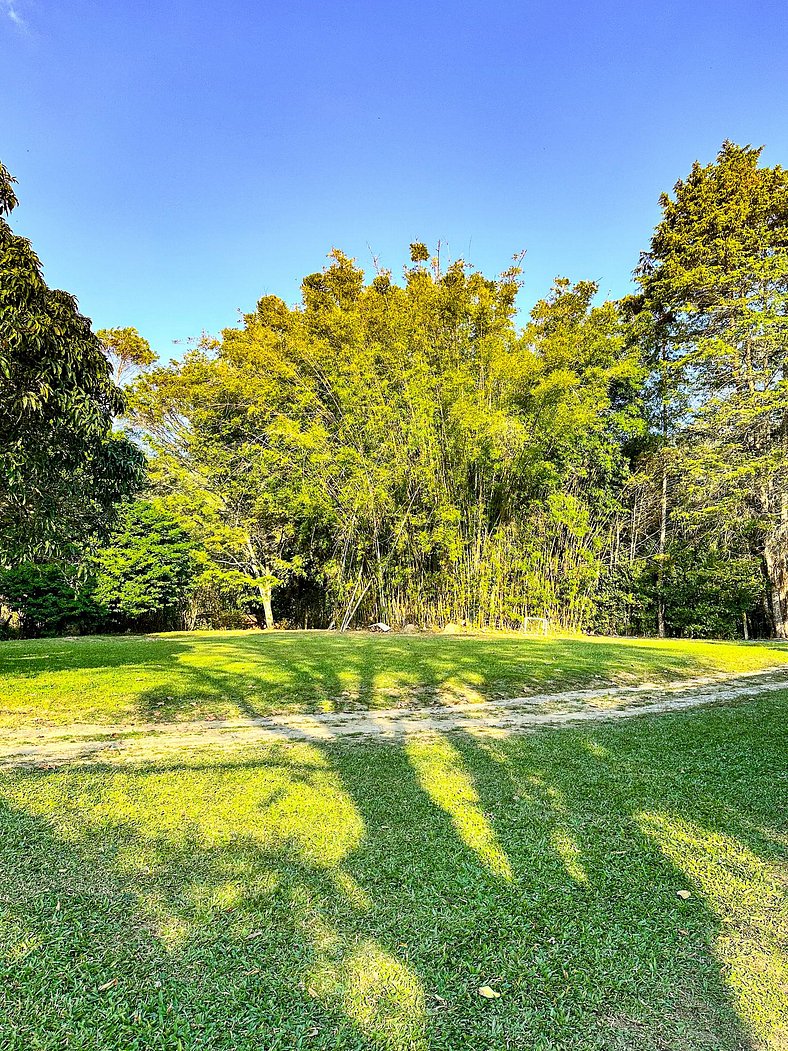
(170,930)
(258,675)
(635,814)
(358,897)
(253,674)
(579,932)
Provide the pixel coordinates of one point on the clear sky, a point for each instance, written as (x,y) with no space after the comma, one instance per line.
(177,160)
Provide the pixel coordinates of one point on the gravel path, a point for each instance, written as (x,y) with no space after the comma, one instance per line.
(143,741)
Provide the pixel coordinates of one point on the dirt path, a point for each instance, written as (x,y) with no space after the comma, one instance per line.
(144,741)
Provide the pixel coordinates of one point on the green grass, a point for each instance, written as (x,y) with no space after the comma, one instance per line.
(177,676)
(357,896)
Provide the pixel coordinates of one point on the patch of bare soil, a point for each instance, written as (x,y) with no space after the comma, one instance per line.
(146,741)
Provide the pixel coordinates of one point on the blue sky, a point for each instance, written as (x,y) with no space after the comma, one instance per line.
(176,160)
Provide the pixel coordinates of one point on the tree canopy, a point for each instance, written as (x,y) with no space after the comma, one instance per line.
(127,351)
(714,284)
(411,450)
(404,451)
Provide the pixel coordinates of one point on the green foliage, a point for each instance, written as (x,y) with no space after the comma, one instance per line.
(127,351)
(715,288)
(403,448)
(404,451)
(144,575)
(62,469)
(48,599)
(144,578)
(707,594)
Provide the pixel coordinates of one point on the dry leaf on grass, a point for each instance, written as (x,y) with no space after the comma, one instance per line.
(488,993)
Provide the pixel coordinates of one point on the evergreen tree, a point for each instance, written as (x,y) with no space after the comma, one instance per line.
(144,573)
(715,284)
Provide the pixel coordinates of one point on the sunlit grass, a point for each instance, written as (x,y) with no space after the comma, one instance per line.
(441,772)
(383,997)
(568,851)
(750,897)
(358,896)
(236,674)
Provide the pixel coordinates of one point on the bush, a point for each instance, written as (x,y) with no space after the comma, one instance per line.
(143,577)
(706,595)
(48,599)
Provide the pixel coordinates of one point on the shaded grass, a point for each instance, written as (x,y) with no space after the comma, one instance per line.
(356,896)
(197,675)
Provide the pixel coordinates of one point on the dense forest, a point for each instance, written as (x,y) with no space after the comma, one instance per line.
(410,451)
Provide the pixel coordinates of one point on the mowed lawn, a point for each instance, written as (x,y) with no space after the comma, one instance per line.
(203,674)
(359,895)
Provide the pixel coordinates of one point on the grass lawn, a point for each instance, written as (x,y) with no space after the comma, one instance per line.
(199,674)
(359,895)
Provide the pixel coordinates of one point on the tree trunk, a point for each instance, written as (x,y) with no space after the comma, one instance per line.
(661,565)
(774,557)
(264,587)
(268,613)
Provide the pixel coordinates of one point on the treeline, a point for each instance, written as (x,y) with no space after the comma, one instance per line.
(407,452)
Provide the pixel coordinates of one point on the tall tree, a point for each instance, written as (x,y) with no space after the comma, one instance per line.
(128,352)
(715,282)
(404,448)
(62,469)
(213,466)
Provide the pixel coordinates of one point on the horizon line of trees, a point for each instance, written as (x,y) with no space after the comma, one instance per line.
(406,452)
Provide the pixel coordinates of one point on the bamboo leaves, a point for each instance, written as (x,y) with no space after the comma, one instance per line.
(401,444)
